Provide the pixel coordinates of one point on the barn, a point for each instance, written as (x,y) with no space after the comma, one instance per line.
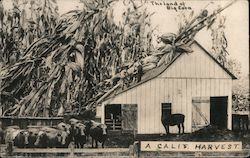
(193,84)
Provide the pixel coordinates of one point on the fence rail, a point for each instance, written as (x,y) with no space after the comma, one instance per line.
(68,150)
(24,122)
(133,152)
(71,151)
(113,124)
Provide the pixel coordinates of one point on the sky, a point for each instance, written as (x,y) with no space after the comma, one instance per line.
(236,26)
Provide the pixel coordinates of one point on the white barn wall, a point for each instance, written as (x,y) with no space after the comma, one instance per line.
(195,65)
(180,94)
(191,75)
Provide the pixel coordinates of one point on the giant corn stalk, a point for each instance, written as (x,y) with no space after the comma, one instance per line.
(85,56)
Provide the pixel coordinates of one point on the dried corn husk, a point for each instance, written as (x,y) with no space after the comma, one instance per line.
(158,54)
(131,70)
(80,48)
(184,49)
(79,60)
(63,86)
(167,48)
(61,111)
(169,57)
(74,66)
(162,60)
(150,59)
(49,59)
(72,28)
(149,66)
(167,38)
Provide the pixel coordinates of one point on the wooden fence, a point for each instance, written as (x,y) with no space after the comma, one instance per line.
(24,122)
(70,152)
(132,152)
(113,124)
(241,122)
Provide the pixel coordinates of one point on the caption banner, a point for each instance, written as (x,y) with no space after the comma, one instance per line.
(190,146)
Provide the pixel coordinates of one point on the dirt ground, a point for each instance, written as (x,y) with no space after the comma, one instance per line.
(208,133)
(119,140)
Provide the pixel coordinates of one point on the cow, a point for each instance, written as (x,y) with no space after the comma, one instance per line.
(10,133)
(41,140)
(172,120)
(77,132)
(16,135)
(74,121)
(67,128)
(97,131)
(51,137)
(79,135)
(21,138)
(64,127)
(32,137)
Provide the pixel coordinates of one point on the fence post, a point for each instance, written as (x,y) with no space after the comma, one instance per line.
(9,149)
(131,150)
(72,148)
(136,147)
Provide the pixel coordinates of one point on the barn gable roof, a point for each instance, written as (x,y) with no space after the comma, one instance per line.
(223,67)
(153,73)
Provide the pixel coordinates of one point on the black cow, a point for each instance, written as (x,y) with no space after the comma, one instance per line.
(97,131)
(50,137)
(77,132)
(79,136)
(172,120)
(32,137)
(21,139)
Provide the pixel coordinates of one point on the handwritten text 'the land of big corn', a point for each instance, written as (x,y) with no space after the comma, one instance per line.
(176,6)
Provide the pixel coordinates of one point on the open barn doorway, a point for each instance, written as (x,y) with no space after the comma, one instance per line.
(113,116)
(209,111)
(218,112)
(121,117)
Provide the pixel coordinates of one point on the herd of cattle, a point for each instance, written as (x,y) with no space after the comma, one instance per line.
(59,136)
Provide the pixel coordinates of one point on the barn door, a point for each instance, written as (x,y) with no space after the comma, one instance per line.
(218,112)
(129,117)
(200,112)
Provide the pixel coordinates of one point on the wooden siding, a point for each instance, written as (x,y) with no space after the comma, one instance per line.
(191,75)
(195,65)
(179,92)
